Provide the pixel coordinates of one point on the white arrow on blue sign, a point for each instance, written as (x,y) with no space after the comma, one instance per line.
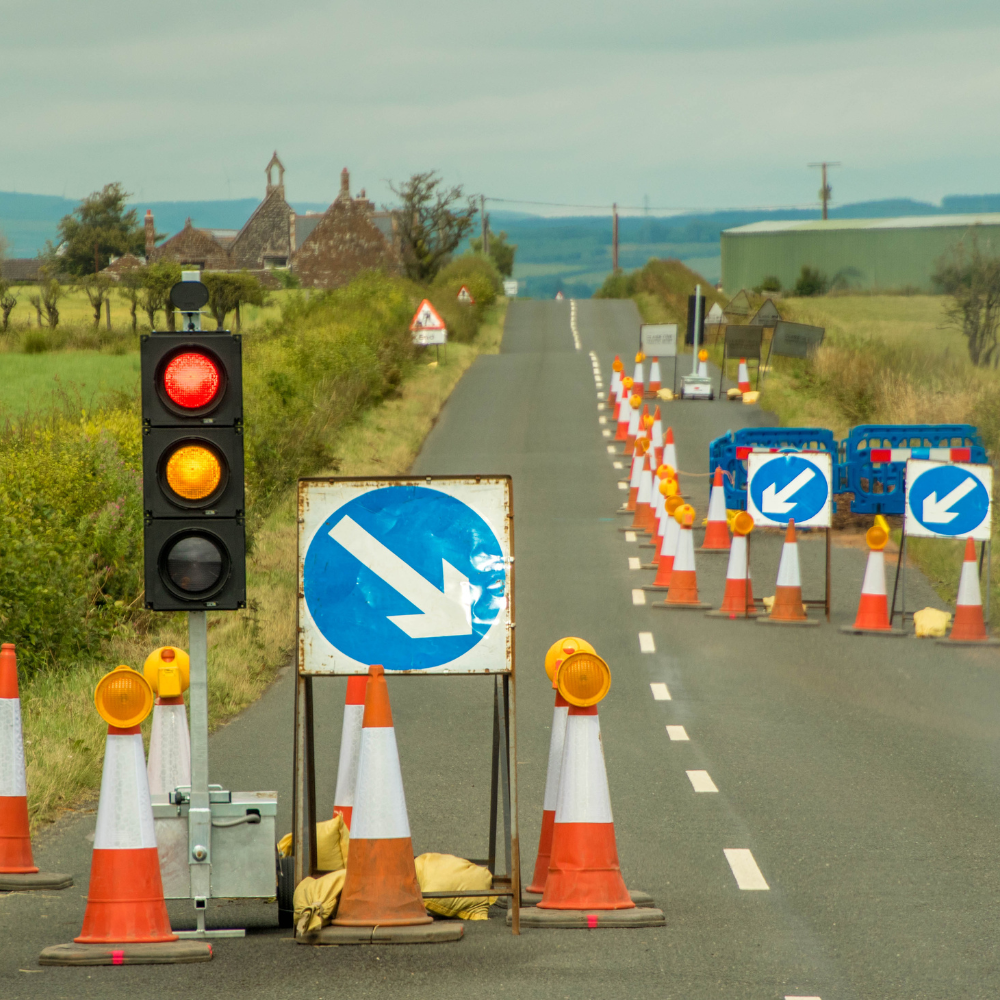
(948,500)
(784,486)
(412,575)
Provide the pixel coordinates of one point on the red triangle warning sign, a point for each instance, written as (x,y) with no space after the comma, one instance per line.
(426,318)
(464,295)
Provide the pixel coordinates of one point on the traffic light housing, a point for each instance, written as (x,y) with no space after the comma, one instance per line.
(192,467)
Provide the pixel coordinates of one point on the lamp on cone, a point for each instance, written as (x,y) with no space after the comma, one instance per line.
(554,658)
(737,601)
(683,592)
(873,608)
(350,747)
(787,608)
(616,378)
(969,627)
(168,671)
(717,529)
(381,886)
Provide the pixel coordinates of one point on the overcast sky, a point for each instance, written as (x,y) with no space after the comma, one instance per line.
(714,103)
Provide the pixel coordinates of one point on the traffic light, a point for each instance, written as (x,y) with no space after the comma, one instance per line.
(192,463)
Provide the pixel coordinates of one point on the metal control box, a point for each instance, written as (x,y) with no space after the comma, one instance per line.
(242,847)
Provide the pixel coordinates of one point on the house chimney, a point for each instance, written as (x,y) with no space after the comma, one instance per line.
(345,184)
(150,233)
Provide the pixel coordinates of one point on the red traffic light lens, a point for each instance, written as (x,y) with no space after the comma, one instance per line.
(191,380)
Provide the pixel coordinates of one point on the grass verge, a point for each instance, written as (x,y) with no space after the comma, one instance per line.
(64,736)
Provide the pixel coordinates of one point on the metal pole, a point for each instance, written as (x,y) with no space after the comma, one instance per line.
(902,585)
(200,811)
(697,312)
(989,564)
(827,574)
(614,237)
(515,844)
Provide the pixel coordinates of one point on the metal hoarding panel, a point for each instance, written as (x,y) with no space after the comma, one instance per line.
(744,341)
(796,340)
(659,340)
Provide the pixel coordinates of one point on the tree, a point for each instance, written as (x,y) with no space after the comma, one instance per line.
(972,280)
(431,221)
(98,290)
(501,252)
(130,289)
(156,281)
(100,225)
(8,298)
(49,294)
(227,292)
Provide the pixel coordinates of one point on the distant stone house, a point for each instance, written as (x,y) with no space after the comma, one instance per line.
(19,269)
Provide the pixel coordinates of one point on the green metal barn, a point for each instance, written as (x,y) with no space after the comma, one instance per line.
(869,254)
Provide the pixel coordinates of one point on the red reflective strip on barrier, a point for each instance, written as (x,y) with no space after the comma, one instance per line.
(117,958)
(961,454)
(742,453)
(880,455)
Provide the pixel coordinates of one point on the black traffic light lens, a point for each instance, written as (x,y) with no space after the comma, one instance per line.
(195,565)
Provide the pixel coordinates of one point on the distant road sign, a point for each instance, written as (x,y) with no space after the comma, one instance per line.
(791,485)
(743,341)
(795,340)
(465,296)
(510,289)
(948,501)
(659,340)
(766,315)
(410,574)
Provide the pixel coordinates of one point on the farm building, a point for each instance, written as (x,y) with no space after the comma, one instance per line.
(867,254)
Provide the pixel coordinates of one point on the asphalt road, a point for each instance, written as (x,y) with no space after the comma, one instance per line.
(860,773)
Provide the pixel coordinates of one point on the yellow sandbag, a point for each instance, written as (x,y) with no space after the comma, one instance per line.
(931,623)
(666,395)
(441,872)
(332,841)
(751,397)
(315,901)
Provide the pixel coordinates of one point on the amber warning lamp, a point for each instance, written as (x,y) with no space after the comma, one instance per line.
(123,698)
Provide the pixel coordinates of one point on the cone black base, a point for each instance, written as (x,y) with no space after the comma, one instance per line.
(783,621)
(640,898)
(968,642)
(663,606)
(639,916)
(168,953)
(750,615)
(851,630)
(438,932)
(11,882)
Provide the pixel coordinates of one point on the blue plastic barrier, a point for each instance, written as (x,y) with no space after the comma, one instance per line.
(876,477)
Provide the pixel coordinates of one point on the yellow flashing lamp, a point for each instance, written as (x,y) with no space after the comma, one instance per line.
(669,487)
(673,502)
(642,445)
(123,698)
(558,652)
(627,382)
(639,358)
(168,671)
(703,355)
(193,471)
(684,515)
(877,536)
(647,421)
(742,523)
(583,679)
(617,365)
(635,400)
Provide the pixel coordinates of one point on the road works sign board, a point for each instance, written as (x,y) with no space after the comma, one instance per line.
(427,326)
(948,500)
(510,288)
(794,485)
(659,340)
(414,574)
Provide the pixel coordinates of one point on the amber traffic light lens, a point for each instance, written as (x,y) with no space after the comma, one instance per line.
(191,380)
(193,471)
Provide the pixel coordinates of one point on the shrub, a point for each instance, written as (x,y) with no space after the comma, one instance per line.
(618,285)
(810,282)
(769,284)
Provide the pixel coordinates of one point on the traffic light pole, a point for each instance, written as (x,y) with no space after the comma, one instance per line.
(200,811)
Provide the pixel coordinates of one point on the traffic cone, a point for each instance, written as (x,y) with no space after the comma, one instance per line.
(15,839)
(873,608)
(169,764)
(125,900)
(654,377)
(668,547)
(656,437)
(968,625)
(717,530)
(643,519)
(703,364)
(635,476)
(381,886)
(683,592)
(669,456)
(623,414)
(350,747)
(637,380)
(659,513)
(743,378)
(616,378)
(787,608)
(583,871)
(737,601)
(634,417)
(563,648)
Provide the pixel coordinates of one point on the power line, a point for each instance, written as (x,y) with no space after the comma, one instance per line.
(653,208)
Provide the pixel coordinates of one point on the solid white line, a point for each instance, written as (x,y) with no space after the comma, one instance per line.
(745,869)
(677,733)
(646,644)
(634,562)
(795,996)
(618,465)
(660,691)
(638,597)
(629,536)
(701,781)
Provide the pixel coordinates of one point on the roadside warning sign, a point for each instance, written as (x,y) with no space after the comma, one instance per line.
(427,326)
(559,296)
(464,295)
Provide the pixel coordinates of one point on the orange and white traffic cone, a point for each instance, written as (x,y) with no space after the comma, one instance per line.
(350,747)
(616,378)
(381,886)
(643,520)
(703,364)
(169,760)
(717,529)
(637,378)
(737,601)
(668,547)
(787,608)
(634,421)
(656,437)
(743,378)
(669,456)
(873,608)
(555,656)
(969,625)
(15,839)
(659,513)
(635,478)
(683,592)
(654,377)
(623,412)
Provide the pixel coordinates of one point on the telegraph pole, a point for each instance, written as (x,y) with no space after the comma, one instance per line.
(486,225)
(825,191)
(614,238)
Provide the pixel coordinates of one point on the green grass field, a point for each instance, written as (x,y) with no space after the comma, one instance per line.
(37,382)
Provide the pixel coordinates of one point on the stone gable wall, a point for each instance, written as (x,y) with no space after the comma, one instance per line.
(194,246)
(265,234)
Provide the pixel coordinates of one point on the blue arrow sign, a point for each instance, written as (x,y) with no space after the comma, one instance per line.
(948,500)
(405,576)
(789,487)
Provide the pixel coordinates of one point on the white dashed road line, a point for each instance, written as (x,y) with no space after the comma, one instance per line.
(745,869)
(572,324)
(660,691)
(790,996)
(618,465)
(634,562)
(638,596)
(629,536)
(701,781)
(646,644)
(606,432)
(622,485)
(612,450)
(602,420)
(676,732)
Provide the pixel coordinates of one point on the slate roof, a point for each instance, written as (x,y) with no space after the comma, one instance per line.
(20,268)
